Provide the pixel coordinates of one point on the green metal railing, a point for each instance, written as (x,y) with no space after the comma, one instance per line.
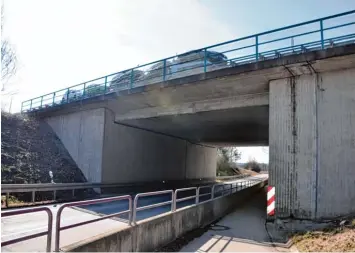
(316,34)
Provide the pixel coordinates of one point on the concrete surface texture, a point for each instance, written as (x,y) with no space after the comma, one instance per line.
(132,154)
(112,153)
(312,144)
(243,230)
(82,134)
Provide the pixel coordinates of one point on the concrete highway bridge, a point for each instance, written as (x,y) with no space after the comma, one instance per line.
(292,89)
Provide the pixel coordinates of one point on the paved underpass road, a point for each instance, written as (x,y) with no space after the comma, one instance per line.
(21,225)
(243,230)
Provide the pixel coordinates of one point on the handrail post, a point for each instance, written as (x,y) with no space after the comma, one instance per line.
(134,210)
(131,82)
(173,202)
(50,227)
(173,199)
(205,60)
(197,193)
(57,228)
(164,70)
(256,47)
(321,33)
(130,211)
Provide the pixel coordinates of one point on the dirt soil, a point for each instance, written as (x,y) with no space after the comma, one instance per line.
(341,239)
(30,149)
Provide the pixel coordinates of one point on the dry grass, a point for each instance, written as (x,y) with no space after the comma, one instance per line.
(330,240)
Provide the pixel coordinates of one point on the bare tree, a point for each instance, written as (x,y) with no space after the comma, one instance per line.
(8,56)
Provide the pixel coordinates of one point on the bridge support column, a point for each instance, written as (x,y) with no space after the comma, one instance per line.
(312,145)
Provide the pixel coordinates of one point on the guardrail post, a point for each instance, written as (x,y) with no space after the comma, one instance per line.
(321,33)
(31,105)
(164,70)
(205,60)
(256,48)
(33,197)
(54,195)
(68,95)
(105,84)
(131,83)
(84,90)
(53,98)
(41,101)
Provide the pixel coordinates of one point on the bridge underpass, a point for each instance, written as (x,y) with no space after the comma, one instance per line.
(298,100)
(299,105)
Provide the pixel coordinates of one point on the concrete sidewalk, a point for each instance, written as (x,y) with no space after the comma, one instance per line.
(241,230)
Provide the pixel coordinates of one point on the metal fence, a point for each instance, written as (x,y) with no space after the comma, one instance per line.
(58,227)
(225,189)
(48,232)
(316,34)
(55,187)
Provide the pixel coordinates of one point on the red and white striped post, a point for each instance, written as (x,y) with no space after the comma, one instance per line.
(270,200)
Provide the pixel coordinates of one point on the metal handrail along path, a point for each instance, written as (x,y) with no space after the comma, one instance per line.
(85,203)
(27,237)
(177,200)
(145,194)
(293,39)
(199,195)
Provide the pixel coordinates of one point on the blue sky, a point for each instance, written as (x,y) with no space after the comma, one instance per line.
(61,43)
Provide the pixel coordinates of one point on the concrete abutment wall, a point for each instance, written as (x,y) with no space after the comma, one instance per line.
(112,153)
(312,144)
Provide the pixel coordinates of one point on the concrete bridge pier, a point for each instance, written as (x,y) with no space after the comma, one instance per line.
(312,144)
(108,152)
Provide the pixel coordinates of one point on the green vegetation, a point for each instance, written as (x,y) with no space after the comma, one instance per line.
(226,156)
(333,239)
(253,165)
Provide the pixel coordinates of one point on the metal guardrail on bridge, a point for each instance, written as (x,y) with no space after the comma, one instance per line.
(294,39)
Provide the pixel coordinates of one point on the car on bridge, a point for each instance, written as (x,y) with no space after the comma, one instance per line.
(183,65)
(71,95)
(188,63)
(122,81)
